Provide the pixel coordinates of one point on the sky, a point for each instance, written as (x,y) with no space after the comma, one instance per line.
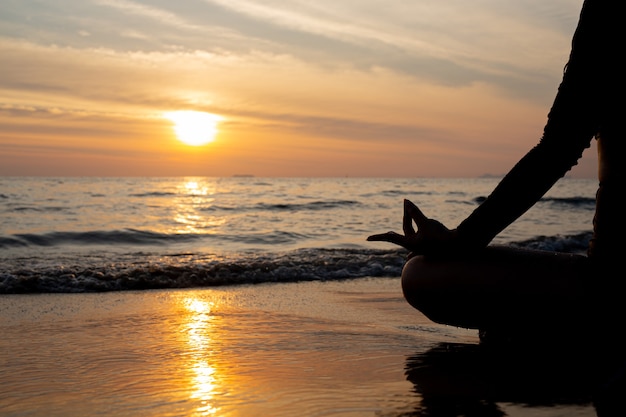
(290,88)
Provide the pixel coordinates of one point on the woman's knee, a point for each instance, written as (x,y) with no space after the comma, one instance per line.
(421,274)
(414,274)
(422,283)
(447,291)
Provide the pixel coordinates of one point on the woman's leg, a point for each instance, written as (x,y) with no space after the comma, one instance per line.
(499,288)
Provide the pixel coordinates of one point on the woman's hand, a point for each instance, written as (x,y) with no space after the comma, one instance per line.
(431,237)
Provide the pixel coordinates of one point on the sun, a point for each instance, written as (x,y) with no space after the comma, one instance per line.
(194,128)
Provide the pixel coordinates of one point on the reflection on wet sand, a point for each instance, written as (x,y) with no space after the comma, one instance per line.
(456,379)
(199,331)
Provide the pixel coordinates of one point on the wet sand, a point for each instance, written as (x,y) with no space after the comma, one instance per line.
(345,348)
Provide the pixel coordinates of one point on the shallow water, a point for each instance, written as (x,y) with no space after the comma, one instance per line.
(235,215)
(344,348)
(116,234)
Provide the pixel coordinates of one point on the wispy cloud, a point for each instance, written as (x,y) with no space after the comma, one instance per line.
(149,12)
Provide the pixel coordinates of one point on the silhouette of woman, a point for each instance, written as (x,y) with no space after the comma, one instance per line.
(455,277)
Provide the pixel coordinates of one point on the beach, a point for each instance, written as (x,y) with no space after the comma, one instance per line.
(258,297)
(335,348)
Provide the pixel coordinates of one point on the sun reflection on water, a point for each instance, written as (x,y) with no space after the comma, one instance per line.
(193,187)
(199,329)
(193,196)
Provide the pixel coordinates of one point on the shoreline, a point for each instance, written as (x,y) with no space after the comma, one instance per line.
(344,348)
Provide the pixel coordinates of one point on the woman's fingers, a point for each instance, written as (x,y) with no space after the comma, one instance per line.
(407,221)
(411,238)
(415,213)
(391,237)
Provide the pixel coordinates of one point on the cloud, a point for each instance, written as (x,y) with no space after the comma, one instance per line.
(159,15)
(452,43)
(423,73)
(518,47)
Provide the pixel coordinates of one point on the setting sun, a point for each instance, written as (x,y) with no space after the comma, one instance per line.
(194,128)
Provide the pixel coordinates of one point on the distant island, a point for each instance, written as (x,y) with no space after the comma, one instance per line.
(243,176)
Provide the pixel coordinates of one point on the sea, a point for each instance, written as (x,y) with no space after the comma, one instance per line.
(86,234)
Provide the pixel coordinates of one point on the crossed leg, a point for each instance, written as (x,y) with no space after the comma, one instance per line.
(500,288)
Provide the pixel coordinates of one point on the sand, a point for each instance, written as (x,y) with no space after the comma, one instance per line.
(345,348)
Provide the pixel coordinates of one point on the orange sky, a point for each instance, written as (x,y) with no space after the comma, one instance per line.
(351,88)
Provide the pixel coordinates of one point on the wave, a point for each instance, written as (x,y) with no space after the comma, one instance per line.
(144,271)
(571,201)
(576,201)
(153,194)
(190,271)
(41,209)
(143,238)
(314,205)
(113,237)
(310,206)
(577,243)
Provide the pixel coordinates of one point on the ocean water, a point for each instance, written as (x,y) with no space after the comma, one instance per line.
(114,234)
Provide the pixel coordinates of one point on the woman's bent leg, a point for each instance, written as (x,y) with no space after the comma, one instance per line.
(499,288)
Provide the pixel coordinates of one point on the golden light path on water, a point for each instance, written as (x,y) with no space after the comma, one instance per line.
(199,337)
(306,349)
(186,213)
